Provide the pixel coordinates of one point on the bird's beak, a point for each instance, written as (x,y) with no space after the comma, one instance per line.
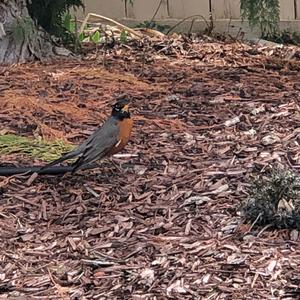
(126,108)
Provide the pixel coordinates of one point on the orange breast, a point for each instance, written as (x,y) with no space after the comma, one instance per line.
(125,127)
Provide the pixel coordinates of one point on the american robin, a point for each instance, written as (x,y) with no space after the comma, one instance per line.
(107,140)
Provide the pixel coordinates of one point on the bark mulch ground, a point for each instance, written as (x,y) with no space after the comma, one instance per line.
(208,116)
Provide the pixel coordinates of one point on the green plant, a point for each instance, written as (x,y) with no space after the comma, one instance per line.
(50,14)
(95,37)
(71,26)
(287,37)
(274,199)
(71,37)
(123,37)
(69,23)
(36,148)
(262,13)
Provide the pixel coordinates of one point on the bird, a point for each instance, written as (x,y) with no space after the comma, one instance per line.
(105,141)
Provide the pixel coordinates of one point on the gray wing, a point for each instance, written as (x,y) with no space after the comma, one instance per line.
(95,145)
(99,143)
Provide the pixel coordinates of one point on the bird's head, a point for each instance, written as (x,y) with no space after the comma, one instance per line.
(120,109)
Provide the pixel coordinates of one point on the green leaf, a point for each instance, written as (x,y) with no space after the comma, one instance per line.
(96,37)
(262,13)
(123,37)
(69,25)
(81,37)
(67,22)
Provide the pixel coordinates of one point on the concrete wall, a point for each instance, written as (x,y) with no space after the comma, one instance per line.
(226,13)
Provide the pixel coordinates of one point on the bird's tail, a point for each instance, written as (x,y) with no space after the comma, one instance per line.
(66,156)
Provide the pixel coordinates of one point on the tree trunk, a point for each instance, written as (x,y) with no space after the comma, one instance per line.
(20,39)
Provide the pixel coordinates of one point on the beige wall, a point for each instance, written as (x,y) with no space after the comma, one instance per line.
(298,9)
(144,9)
(177,9)
(226,13)
(226,9)
(109,8)
(287,10)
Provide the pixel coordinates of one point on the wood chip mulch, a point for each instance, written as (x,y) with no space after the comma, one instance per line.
(208,116)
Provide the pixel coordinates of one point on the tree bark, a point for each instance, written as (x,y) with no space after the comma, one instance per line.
(20,38)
